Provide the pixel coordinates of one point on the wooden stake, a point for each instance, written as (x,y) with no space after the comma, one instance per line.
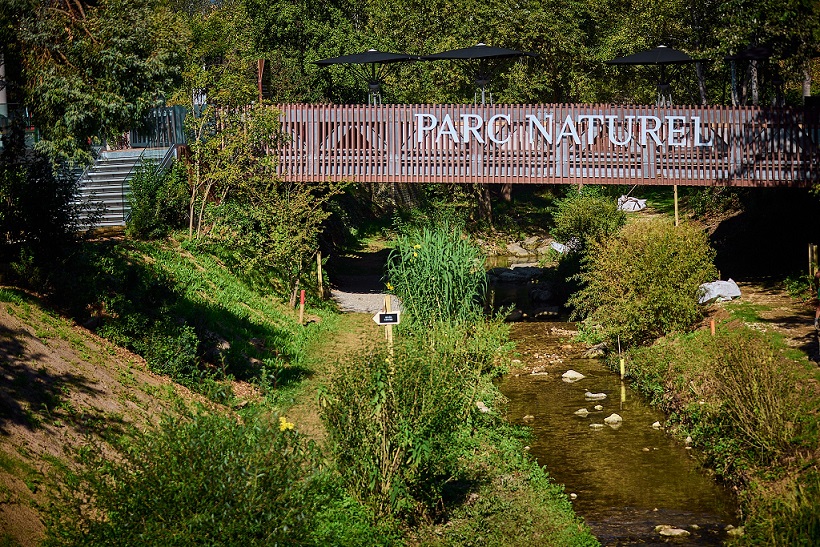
(302,307)
(388,329)
(712,325)
(319,274)
(676,204)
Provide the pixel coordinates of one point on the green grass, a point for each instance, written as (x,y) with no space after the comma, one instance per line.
(746,311)
(748,404)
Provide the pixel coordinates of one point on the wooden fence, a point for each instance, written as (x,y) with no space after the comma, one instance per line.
(551,143)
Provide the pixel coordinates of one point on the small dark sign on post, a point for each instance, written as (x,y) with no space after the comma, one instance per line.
(390,318)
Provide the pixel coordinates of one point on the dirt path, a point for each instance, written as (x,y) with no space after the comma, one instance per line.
(358,290)
(778,312)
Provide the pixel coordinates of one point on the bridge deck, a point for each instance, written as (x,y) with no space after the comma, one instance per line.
(552,143)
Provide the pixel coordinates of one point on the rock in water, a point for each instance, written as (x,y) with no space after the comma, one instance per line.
(572,376)
(581,412)
(596,426)
(595,396)
(613,419)
(595,351)
(671,532)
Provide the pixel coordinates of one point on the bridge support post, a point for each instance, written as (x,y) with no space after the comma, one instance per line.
(676,203)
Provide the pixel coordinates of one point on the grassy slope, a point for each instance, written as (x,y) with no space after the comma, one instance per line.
(62,387)
(67,386)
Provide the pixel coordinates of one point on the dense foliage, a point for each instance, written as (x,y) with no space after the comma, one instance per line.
(92,69)
(642,283)
(206,479)
(749,407)
(438,275)
(585,217)
(157,201)
(38,217)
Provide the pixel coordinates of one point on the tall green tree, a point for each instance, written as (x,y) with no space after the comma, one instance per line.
(93,68)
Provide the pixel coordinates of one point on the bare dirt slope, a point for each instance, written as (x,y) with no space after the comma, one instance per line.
(62,386)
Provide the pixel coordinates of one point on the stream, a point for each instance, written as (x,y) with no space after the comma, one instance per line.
(628,478)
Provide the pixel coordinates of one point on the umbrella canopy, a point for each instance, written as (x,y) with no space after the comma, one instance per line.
(482,53)
(478,51)
(381,64)
(661,55)
(367,57)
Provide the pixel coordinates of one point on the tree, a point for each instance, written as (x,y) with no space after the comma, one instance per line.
(269,227)
(92,69)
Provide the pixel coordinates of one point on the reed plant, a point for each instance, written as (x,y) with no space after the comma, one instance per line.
(438,275)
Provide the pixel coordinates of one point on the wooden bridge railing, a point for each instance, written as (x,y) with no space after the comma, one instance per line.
(552,143)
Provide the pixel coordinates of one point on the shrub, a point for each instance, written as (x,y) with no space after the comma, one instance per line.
(204,480)
(705,202)
(437,274)
(392,424)
(158,201)
(584,217)
(643,282)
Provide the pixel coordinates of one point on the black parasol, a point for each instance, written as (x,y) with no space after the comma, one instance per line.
(660,56)
(482,53)
(381,64)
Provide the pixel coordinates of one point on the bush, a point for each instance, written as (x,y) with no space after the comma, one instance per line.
(438,275)
(204,480)
(392,423)
(718,200)
(643,282)
(158,201)
(38,219)
(585,217)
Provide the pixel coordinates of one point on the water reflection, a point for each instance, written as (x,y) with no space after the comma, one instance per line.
(628,478)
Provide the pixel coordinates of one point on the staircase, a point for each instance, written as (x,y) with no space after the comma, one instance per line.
(104,188)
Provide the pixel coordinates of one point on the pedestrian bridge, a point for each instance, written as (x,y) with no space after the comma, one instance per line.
(552,144)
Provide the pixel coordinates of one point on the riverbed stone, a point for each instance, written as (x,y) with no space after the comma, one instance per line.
(572,376)
(595,352)
(596,426)
(581,412)
(613,419)
(656,425)
(595,396)
(515,249)
(528,418)
(667,530)
(598,407)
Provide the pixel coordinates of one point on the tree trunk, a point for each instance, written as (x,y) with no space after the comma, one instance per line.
(506,192)
(701,83)
(485,204)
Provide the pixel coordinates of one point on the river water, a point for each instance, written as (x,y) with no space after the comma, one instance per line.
(627,479)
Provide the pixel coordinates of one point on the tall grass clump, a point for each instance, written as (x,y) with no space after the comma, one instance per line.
(393,423)
(438,275)
(642,283)
(202,480)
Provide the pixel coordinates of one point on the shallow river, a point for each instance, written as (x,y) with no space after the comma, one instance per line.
(627,479)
